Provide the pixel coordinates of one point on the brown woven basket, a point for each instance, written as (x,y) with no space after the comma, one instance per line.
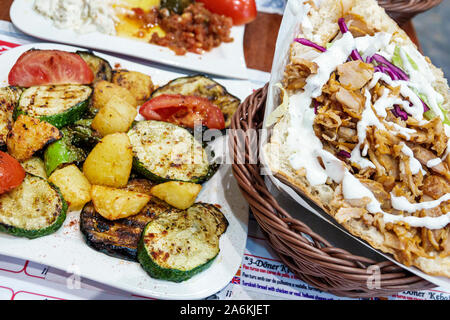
(404,10)
(312,258)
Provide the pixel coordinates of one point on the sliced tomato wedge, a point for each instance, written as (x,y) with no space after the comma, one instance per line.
(241,11)
(184,111)
(11,173)
(47,67)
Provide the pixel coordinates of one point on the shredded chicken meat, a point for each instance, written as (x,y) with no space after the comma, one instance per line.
(338,111)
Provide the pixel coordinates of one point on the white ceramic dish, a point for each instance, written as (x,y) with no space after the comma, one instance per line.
(226,60)
(66,249)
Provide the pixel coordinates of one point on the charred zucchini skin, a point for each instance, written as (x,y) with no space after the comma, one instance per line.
(59,120)
(143,171)
(140,168)
(157,272)
(70,116)
(100,67)
(37,233)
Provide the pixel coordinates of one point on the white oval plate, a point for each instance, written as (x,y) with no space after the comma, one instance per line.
(226,60)
(66,249)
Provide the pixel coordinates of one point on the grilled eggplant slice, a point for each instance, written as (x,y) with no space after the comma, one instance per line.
(205,87)
(100,67)
(120,238)
(178,244)
(163,152)
(34,209)
(9,96)
(59,105)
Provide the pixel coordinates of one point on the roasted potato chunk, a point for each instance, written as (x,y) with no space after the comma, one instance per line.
(180,195)
(113,204)
(74,186)
(104,91)
(116,116)
(109,163)
(29,135)
(140,85)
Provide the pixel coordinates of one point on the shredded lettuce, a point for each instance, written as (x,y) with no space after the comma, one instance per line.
(398,62)
(430,114)
(446,116)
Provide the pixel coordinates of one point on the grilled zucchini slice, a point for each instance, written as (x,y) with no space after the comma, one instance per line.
(205,87)
(178,244)
(163,152)
(35,166)
(59,105)
(34,209)
(9,96)
(100,67)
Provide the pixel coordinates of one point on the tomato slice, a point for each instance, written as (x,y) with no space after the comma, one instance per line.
(47,67)
(183,110)
(241,11)
(11,173)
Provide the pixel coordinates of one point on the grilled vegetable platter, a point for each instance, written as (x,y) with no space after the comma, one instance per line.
(101,160)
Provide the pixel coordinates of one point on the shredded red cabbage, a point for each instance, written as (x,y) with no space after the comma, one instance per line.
(316,106)
(399,113)
(382,60)
(344,154)
(425,107)
(342,25)
(309,43)
(355,55)
(381,68)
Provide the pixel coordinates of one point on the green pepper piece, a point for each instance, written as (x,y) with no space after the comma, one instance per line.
(62,152)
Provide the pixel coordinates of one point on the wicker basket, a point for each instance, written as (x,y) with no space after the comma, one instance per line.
(312,258)
(404,10)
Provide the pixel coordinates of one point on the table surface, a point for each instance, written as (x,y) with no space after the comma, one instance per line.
(259,39)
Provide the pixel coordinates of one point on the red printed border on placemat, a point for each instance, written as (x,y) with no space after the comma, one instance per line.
(4,46)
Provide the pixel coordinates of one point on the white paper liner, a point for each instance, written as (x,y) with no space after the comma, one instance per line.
(289,29)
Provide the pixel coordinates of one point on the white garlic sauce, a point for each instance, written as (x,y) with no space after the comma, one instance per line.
(306,148)
(434,162)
